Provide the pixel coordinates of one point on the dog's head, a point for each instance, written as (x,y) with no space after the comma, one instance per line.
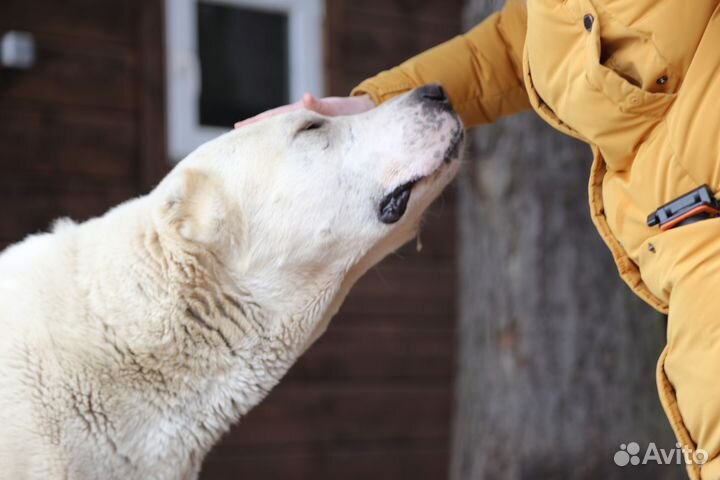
(301,201)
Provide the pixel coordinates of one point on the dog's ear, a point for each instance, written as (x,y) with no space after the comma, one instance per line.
(190,206)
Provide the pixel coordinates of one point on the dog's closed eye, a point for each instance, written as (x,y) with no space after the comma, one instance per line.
(314,124)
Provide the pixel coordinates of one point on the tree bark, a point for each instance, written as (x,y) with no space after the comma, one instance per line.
(556,355)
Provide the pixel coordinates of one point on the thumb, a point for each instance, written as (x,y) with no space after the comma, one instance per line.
(315,104)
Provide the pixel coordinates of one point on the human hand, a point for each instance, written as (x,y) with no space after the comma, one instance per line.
(330,106)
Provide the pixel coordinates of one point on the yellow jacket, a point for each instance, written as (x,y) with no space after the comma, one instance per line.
(639,81)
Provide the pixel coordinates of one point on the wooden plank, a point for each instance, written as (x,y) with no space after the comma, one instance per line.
(444,320)
(154,162)
(368,305)
(408,11)
(319,414)
(341,79)
(31,208)
(405,281)
(71,71)
(25,215)
(331,463)
(366,43)
(389,354)
(389,290)
(111,20)
(67,142)
(84,204)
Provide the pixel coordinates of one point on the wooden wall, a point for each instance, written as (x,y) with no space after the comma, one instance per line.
(83,130)
(367,36)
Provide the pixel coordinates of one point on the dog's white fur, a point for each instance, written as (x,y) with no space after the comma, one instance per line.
(131,342)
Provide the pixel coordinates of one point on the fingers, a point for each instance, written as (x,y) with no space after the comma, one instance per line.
(308,101)
(315,104)
(333,106)
(270,113)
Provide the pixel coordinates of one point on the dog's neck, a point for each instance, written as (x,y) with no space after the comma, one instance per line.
(200,342)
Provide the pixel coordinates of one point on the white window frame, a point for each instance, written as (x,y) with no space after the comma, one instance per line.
(305,49)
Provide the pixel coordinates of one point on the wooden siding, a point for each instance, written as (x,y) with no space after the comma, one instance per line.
(83,129)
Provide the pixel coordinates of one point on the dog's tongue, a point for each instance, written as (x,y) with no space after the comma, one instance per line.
(393,206)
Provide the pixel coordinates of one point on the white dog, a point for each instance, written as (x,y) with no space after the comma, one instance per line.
(131,342)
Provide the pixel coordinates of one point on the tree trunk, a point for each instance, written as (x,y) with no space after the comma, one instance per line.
(556,355)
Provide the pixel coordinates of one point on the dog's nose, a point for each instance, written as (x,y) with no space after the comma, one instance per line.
(434,92)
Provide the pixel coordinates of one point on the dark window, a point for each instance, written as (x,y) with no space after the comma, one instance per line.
(244,62)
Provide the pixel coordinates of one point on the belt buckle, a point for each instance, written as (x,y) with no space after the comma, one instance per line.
(699,204)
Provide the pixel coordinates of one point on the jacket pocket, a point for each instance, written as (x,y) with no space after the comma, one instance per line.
(626,66)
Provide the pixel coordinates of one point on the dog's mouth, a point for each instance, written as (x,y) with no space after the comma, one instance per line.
(394,205)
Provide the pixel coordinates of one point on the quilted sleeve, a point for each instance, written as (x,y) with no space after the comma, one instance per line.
(481,70)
